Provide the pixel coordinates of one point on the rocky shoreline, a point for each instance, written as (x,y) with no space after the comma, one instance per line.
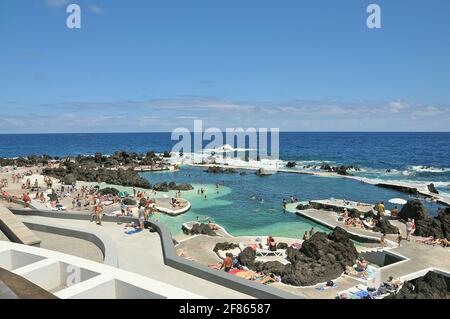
(121,168)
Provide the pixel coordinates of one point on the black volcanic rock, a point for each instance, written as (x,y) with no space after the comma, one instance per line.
(384,226)
(444,218)
(183,187)
(220,170)
(161,187)
(109,191)
(438,227)
(129,202)
(321,258)
(247,257)
(429,227)
(432,189)
(303,206)
(88,172)
(431,286)
(70,179)
(340,170)
(224,246)
(413,209)
(291,164)
(165,187)
(202,229)
(271,267)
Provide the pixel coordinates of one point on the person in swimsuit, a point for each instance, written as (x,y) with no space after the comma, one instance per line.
(226,265)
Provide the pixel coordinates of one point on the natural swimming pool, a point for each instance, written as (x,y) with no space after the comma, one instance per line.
(251,205)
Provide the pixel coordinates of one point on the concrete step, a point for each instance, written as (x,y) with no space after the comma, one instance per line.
(14,229)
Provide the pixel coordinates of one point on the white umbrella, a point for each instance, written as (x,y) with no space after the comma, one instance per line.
(397,201)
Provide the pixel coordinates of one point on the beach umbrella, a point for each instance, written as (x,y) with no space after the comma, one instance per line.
(397,201)
(121,194)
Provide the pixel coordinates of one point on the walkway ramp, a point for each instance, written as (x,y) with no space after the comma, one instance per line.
(15,230)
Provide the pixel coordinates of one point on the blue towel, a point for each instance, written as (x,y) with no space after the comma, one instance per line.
(134,231)
(362,294)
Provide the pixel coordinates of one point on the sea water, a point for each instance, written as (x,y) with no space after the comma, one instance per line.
(251,205)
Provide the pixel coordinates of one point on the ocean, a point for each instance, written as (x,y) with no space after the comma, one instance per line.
(410,156)
(251,205)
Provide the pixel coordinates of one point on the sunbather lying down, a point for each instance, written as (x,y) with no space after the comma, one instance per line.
(258,277)
(181,253)
(393,283)
(432,241)
(349,270)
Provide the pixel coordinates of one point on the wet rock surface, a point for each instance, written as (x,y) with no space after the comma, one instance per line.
(291,164)
(432,189)
(340,170)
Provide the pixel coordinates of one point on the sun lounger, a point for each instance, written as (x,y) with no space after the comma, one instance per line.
(267,252)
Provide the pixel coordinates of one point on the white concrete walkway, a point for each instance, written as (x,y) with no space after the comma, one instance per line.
(142,253)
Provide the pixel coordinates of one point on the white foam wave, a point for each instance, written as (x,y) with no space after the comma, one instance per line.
(428,169)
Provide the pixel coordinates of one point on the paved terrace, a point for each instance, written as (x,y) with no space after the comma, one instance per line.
(200,248)
(141,253)
(418,256)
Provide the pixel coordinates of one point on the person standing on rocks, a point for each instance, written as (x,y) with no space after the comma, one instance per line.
(383,240)
(408,228)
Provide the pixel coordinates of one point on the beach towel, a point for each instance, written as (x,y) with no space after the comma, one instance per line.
(133,231)
(235,271)
(361,294)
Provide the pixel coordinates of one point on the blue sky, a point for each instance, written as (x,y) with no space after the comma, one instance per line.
(154,65)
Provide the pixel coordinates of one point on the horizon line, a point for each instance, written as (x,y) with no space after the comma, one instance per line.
(169,132)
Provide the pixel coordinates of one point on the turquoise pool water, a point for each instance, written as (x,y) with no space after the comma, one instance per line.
(251,205)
